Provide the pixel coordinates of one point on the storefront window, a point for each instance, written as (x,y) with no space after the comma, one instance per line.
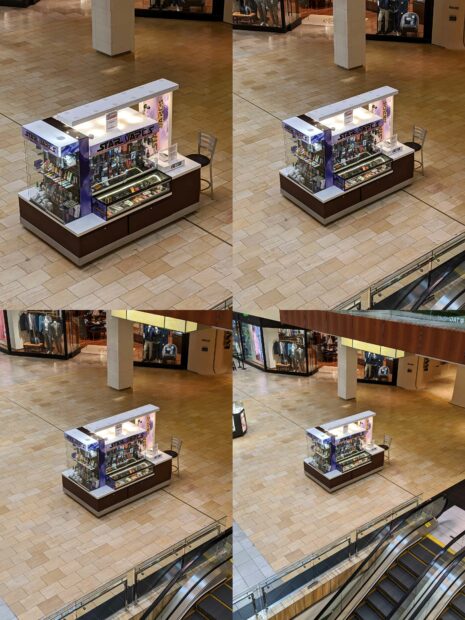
(285,349)
(3,338)
(252,343)
(396,18)
(184,6)
(376,368)
(237,351)
(157,346)
(36,331)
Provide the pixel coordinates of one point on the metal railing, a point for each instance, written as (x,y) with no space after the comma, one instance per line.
(128,587)
(369,297)
(266,593)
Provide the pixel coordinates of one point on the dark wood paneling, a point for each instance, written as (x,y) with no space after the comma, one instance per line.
(377,461)
(439,342)
(323,209)
(112,231)
(47,225)
(402,170)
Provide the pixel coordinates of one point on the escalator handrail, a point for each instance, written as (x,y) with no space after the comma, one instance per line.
(437,582)
(182,570)
(194,585)
(384,539)
(429,567)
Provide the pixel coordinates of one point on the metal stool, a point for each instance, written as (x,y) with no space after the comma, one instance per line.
(386,445)
(176,445)
(418,140)
(206,146)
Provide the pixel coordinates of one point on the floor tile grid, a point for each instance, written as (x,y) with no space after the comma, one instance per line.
(189,261)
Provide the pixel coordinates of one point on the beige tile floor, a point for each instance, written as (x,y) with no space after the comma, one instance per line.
(47,65)
(52,550)
(428,455)
(282,257)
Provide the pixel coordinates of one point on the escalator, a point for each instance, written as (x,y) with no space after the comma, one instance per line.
(441,596)
(456,608)
(398,581)
(404,553)
(443,288)
(216,605)
(199,588)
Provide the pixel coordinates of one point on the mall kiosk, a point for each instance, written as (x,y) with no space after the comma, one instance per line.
(344,156)
(115,461)
(342,452)
(106,173)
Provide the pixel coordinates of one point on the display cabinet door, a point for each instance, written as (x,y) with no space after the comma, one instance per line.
(97,239)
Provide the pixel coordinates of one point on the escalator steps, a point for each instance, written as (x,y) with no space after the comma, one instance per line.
(402,577)
(364,612)
(214,609)
(458,604)
(449,614)
(411,563)
(382,605)
(224,594)
(392,590)
(431,545)
(195,616)
(422,553)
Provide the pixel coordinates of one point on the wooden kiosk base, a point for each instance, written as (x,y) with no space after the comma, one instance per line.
(81,246)
(333,482)
(331,204)
(105,499)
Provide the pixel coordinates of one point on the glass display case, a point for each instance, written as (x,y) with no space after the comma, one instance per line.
(367,170)
(113,452)
(134,193)
(83,459)
(341,445)
(53,180)
(304,146)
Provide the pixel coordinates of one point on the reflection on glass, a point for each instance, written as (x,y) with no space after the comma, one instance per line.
(36,332)
(3,339)
(285,349)
(253,345)
(375,368)
(179,6)
(264,13)
(383,17)
(154,345)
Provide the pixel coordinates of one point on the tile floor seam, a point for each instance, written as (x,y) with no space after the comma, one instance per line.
(171,494)
(207,231)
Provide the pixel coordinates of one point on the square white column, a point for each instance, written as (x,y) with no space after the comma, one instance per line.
(120,342)
(113,26)
(458,397)
(349,33)
(346,372)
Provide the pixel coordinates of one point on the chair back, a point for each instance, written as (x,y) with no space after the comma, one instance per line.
(207,144)
(419,135)
(176,444)
(387,440)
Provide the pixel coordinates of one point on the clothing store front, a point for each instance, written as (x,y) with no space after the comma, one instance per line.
(275,347)
(270,15)
(160,347)
(205,10)
(40,333)
(394,20)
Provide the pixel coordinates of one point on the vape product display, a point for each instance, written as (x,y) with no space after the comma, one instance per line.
(342,445)
(115,460)
(305,153)
(343,147)
(108,204)
(239,420)
(370,168)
